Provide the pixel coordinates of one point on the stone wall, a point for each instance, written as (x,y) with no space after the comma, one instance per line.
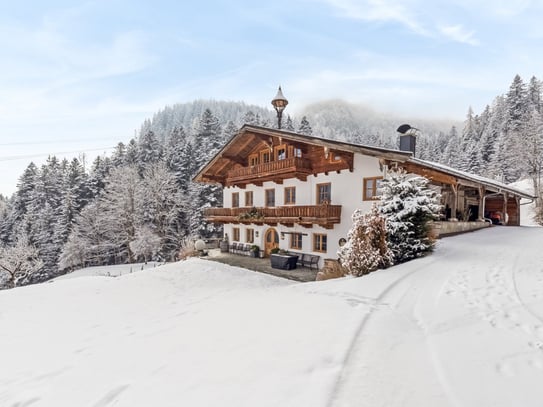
(443,229)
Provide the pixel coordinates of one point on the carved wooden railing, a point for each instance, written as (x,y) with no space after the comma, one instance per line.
(304,214)
(289,165)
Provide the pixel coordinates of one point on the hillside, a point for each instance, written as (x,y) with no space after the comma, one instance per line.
(461,327)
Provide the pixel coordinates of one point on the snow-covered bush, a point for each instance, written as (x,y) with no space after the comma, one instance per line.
(366,248)
(408,206)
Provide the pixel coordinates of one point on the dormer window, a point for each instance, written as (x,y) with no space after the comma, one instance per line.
(253,160)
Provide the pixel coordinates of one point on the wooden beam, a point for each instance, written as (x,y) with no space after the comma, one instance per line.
(234,158)
(431,174)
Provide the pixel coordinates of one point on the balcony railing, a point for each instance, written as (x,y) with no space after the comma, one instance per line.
(290,167)
(324,215)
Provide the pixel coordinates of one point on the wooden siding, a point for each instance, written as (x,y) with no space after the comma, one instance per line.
(495,204)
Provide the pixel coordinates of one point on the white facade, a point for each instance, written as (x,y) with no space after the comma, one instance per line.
(346,190)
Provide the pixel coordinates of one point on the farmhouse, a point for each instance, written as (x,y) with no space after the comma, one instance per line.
(298,192)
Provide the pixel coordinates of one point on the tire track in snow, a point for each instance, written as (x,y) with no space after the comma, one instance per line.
(396,295)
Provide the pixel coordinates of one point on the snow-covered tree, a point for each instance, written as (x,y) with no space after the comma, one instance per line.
(305,128)
(146,243)
(19,263)
(149,151)
(288,124)
(366,248)
(408,206)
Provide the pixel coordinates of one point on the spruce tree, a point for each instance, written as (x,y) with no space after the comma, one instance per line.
(408,206)
(305,128)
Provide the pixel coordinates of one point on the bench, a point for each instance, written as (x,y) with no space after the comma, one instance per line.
(240,248)
(307,260)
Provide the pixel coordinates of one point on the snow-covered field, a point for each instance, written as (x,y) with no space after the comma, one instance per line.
(463,327)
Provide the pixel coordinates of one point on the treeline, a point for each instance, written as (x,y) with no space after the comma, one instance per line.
(504,142)
(137,204)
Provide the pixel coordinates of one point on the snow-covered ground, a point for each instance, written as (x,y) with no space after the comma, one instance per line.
(109,271)
(463,327)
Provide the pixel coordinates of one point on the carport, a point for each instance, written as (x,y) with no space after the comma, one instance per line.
(468,197)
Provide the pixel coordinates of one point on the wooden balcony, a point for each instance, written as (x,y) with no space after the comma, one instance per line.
(294,167)
(305,215)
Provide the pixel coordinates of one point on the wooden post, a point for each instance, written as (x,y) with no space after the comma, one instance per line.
(517,200)
(454,202)
(481,213)
(504,211)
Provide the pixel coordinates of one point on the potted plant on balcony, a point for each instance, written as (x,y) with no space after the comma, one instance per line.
(255,250)
(251,214)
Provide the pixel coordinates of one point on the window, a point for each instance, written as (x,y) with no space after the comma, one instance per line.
(270,197)
(235,199)
(253,159)
(249,235)
(290,195)
(319,242)
(235,234)
(324,193)
(297,152)
(371,186)
(248,198)
(280,152)
(265,156)
(296,241)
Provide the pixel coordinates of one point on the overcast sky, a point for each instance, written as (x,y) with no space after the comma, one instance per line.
(81,76)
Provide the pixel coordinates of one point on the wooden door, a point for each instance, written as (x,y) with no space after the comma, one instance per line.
(271,240)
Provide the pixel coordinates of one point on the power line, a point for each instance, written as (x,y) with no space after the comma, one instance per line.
(25,157)
(40,142)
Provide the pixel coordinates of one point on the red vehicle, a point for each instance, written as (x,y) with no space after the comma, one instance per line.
(497,218)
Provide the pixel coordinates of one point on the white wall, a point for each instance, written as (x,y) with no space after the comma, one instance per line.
(347,191)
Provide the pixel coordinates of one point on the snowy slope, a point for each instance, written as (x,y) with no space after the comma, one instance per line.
(463,327)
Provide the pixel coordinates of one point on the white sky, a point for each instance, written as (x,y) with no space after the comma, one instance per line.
(81,76)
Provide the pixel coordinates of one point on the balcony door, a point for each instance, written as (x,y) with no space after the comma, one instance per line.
(271,240)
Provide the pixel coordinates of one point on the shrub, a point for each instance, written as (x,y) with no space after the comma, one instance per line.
(366,248)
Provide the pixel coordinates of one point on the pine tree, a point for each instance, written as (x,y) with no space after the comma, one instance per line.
(533,148)
(305,128)
(119,155)
(132,153)
(470,157)
(100,169)
(149,150)
(288,124)
(452,152)
(409,207)
(534,94)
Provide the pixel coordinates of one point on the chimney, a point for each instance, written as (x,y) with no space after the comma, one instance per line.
(408,138)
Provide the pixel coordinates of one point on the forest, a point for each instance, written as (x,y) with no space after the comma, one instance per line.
(140,203)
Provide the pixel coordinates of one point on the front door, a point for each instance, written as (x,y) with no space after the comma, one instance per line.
(271,240)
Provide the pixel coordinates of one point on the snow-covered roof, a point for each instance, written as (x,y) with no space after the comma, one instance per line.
(394,155)
(500,186)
